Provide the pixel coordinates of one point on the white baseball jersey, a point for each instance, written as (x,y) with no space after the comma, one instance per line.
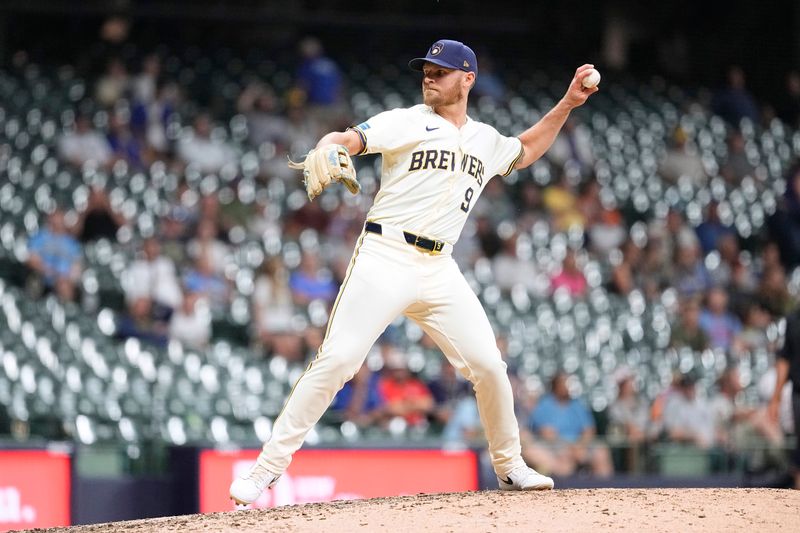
(433,172)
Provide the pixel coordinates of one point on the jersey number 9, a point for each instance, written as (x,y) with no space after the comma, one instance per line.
(467,199)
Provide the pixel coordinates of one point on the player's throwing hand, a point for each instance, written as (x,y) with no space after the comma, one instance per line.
(577,94)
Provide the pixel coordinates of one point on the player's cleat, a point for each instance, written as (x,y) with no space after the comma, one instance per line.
(246,488)
(524,478)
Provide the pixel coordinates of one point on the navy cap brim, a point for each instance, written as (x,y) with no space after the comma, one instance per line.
(419,62)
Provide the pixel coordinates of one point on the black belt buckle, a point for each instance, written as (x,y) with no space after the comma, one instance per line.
(429,245)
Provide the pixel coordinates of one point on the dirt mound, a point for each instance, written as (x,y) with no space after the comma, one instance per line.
(666,510)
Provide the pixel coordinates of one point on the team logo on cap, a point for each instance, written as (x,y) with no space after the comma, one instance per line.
(436,49)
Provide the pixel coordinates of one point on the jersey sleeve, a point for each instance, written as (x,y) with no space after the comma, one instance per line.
(507,151)
(381,133)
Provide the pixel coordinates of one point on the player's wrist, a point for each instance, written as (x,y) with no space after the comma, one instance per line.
(566,105)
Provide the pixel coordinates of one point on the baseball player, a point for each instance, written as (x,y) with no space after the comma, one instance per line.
(436,163)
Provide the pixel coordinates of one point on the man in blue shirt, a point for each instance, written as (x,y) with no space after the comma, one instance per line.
(567,429)
(55,255)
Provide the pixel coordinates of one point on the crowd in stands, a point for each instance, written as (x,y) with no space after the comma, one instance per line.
(727,296)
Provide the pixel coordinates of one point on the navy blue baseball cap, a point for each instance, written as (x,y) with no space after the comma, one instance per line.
(450,54)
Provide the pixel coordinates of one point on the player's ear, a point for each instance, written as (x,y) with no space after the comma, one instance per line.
(470,79)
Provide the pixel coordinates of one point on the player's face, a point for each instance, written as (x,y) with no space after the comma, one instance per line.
(442,86)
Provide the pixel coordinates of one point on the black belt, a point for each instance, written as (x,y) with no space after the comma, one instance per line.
(429,245)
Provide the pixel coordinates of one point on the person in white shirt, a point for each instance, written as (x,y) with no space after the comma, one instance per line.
(84,145)
(206,243)
(152,276)
(191,322)
(201,150)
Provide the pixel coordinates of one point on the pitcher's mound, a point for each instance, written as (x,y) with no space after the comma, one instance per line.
(667,510)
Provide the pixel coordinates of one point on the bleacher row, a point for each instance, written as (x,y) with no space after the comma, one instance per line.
(63,370)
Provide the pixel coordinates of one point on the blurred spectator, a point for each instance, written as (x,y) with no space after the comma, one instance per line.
(604,227)
(495,202)
(113,84)
(140,322)
(753,336)
(687,415)
(124,145)
(719,324)
(464,425)
(486,234)
(687,332)
(628,414)
(264,123)
(787,368)
(773,292)
(302,134)
(789,107)
(567,427)
(311,281)
(489,84)
(561,202)
(310,216)
(711,229)
(734,102)
(573,146)
(690,275)
(769,256)
(448,390)
(766,391)
(360,400)
(660,402)
(320,80)
(784,224)
(83,145)
(266,221)
(737,165)
(172,235)
(203,280)
(569,277)
(732,272)
(682,159)
(405,395)
(624,275)
(99,220)
(737,425)
(149,120)
(236,205)
(207,244)
(204,151)
(653,274)
(191,323)
(529,199)
(210,208)
(55,255)
(672,232)
(152,275)
(272,303)
(145,84)
(510,270)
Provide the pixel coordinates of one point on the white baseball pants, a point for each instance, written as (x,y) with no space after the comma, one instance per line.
(386,278)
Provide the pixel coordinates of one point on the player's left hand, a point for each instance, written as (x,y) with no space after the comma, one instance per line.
(324,165)
(577,94)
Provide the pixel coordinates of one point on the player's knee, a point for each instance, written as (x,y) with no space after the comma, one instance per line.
(490,367)
(341,365)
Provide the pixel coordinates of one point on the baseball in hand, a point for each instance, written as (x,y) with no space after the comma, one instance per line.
(591,79)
